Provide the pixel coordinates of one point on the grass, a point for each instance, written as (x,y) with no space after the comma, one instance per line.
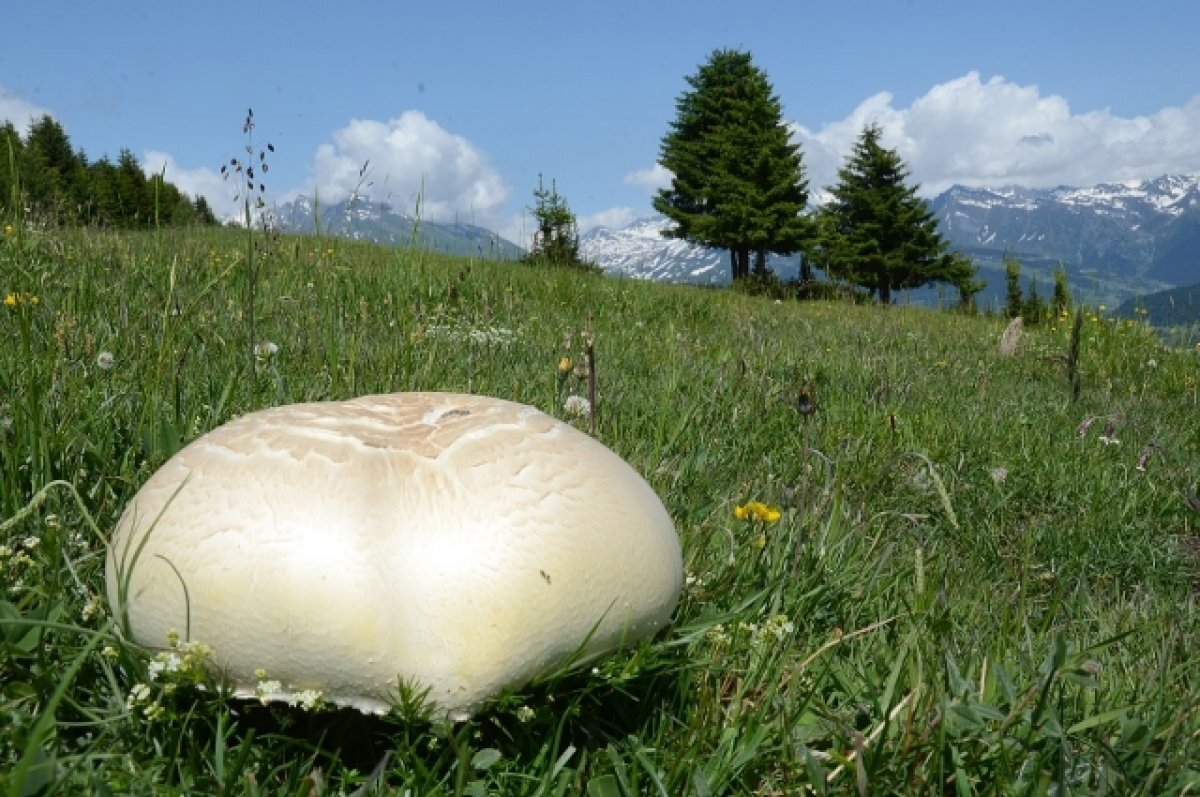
(973,588)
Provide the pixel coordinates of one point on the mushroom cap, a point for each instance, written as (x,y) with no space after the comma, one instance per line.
(458,544)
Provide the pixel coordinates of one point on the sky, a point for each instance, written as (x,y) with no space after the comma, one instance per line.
(456,108)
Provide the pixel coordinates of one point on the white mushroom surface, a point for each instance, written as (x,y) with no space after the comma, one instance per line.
(456,543)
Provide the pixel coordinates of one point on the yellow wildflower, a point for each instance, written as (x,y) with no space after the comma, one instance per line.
(757,511)
(8,230)
(17,299)
(564,364)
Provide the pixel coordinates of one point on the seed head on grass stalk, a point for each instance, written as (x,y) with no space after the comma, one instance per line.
(246,173)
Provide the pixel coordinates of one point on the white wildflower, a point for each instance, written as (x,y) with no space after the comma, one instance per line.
(308,699)
(91,609)
(577,406)
(166,662)
(265,350)
(525,714)
(140,693)
(717,635)
(264,690)
(778,626)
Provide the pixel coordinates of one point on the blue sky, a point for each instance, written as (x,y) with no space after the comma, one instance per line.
(465,103)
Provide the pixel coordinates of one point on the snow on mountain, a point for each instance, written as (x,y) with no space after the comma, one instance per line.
(1172,195)
(1141,231)
(640,251)
(1115,240)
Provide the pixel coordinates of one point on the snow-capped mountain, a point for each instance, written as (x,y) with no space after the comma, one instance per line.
(1114,240)
(363,219)
(1141,230)
(640,250)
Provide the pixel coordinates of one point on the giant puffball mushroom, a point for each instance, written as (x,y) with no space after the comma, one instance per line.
(458,544)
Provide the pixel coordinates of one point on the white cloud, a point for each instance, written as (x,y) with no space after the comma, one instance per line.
(19,111)
(204,182)
(997,133)
(408,160)
(613,218)
(651,179)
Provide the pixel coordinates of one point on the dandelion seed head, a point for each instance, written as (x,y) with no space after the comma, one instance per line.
(265,350)
(577,406)
(105,360)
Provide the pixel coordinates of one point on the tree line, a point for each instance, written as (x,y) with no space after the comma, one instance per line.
(738,183)
(41,175)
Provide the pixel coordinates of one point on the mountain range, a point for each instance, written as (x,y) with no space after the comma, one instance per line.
(361,219)
(1117,241)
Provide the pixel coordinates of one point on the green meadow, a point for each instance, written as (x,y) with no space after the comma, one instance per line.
(976,583)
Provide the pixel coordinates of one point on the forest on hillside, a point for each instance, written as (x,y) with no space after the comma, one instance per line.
(44,180)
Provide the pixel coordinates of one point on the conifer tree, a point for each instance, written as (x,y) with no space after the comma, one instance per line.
(556,241)
(10,156)
(1034,309)
(50,171)
(878,234)
(1062,293)
(1014,302)
(43,175)
(737,179)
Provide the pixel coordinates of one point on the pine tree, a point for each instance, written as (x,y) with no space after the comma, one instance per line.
(1014,303)
(59,185)
(11,148)
(737,179)
(556,241)
(878,234)
(1062,293)
(135,198)
(50,171)
(1034,309)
